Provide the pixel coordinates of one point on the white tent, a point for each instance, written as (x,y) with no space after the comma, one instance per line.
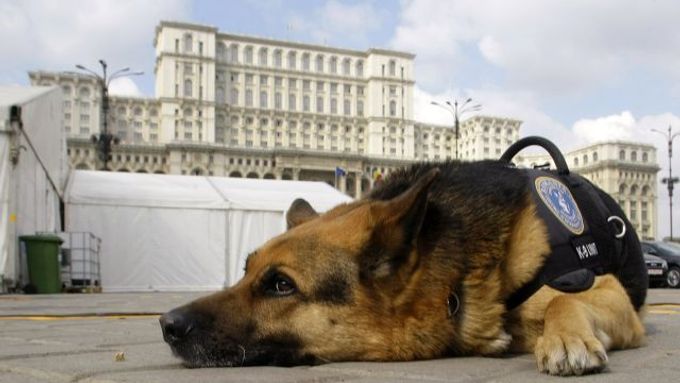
(172,233)
(32,169)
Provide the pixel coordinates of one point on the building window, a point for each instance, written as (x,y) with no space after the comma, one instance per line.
(645,157)
(221,51)
(360,108)
(319,86)
(234,96)
(278,59)
(249,55)
(249,97)
(346,109)
(263,56)
(585,159)
(633,156)
(277,100)
(345,66)
(305,61)
(360,69)
(393,68)
(305,103)
(319,104)
(292,60)
(187,88)
(233,53)
(319,63)
(333,65)
(291,102)
(622,155)
(393,108)
(84,92)
(334,106)
(595,157)
(263,99)
(575,161)
(188,43)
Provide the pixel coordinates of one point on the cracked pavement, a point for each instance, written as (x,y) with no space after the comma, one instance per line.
(75,338)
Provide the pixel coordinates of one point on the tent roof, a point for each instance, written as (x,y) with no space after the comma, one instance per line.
(19,95)
(196,192)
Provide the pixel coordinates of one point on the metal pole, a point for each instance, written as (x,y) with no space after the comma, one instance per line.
(456,126)
(670,178)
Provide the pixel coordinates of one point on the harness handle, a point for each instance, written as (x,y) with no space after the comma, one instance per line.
(560,162)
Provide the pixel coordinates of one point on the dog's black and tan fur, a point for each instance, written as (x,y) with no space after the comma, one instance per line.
(372,280)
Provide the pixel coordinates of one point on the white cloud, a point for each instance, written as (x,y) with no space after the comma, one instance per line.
(545,46)
(124,86)
(338,23)
(56,35)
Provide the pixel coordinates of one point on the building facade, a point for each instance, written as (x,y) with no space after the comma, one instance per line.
(243,106)
(625,170)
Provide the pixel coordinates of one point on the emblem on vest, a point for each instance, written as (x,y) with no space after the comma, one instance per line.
(557,197)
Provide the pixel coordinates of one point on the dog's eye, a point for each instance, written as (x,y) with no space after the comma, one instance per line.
(279,285)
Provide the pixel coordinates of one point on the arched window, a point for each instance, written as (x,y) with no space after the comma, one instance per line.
(188,112)
(137,111)
(263,56)
(121,111)
(585,159)
(594,156)
(645,191)
(153,112)
(622,155)
(393,68)
(633,156)
(292,60)
(575,161)
(333,65)
(622,189)
(278,60)
(346,63)
(319,63)
(645,157)
(66,89)
(84,92)
(305,61)
(188,85)
(393,108)
(634,190)
(360,69)
(233,98)
(188,43)
(233,53)
(221,51)
(249,55)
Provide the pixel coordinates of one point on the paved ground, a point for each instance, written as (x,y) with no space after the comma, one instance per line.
(55,339)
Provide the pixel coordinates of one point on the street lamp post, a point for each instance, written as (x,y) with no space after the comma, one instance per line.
(105,140)
(457,111)
(670,180)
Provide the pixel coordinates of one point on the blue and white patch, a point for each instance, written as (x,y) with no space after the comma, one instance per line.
(557,197)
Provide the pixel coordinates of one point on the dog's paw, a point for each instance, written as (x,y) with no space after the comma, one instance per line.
(569,355)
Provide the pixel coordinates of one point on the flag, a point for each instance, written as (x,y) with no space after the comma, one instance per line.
(340,172)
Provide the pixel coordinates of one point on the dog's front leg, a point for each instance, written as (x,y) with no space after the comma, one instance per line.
(579,328)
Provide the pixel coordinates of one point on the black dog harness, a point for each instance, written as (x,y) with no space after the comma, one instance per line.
(585,235)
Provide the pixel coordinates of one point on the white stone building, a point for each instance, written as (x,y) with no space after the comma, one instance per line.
(245,106)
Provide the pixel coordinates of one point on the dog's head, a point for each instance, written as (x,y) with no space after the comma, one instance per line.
(330,288)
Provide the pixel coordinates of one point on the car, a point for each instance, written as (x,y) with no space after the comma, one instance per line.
(669,252)
(657,269)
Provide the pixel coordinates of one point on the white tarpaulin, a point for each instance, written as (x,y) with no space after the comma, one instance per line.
(32,168)
(172,233)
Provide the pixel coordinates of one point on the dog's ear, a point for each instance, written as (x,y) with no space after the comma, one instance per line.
(396,224)
(300,211)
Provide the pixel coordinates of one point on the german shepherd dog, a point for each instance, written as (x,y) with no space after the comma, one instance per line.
(420,268)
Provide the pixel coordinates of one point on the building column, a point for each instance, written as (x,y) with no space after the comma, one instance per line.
(357,185)
(342,183)
(296,174)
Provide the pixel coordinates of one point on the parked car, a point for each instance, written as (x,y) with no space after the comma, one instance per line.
(669,252)
(657,269)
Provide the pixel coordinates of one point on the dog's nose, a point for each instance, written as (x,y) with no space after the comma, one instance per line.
(176,324)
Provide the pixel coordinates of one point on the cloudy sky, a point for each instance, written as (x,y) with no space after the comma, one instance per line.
(576,71)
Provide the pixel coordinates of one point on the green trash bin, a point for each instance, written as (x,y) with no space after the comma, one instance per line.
(42,258)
